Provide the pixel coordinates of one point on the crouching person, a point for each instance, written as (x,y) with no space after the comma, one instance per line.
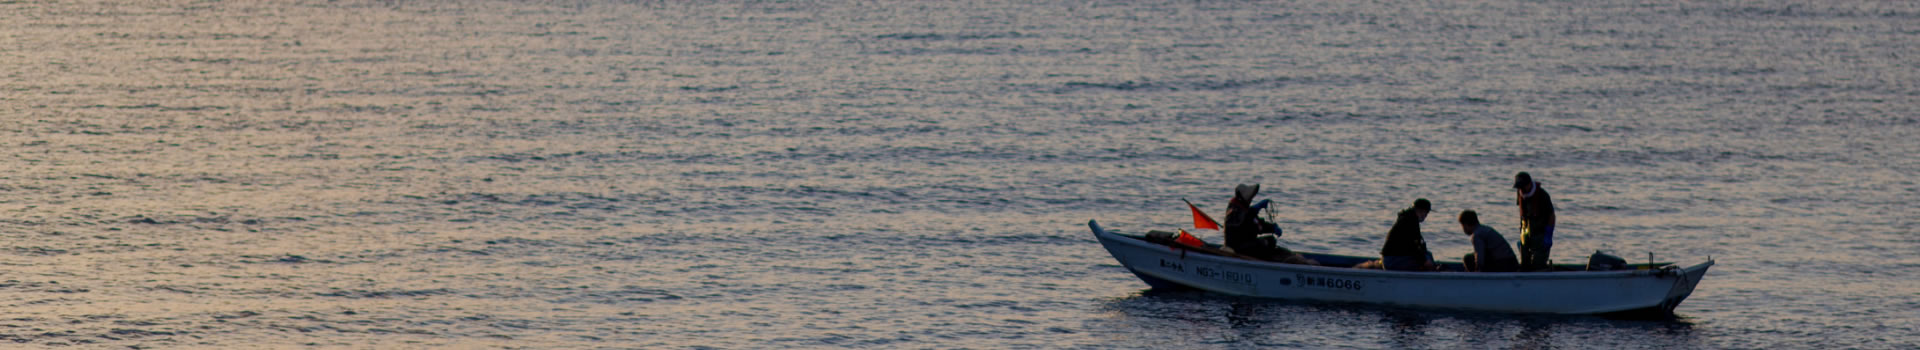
(1406,249)
(1490,250)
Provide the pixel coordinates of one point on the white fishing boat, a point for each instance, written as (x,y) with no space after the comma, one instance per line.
(1638,289)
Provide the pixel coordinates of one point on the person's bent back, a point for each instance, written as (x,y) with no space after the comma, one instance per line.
(1490,250)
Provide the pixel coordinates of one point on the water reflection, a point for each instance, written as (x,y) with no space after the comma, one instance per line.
(1244,318)
(1243,315)
(1408,327)
(1533,335)
(1212,318)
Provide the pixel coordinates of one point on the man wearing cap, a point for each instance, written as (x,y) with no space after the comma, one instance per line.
(1406,250)
(1536,222)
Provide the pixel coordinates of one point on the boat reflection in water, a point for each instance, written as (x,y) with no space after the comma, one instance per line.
(1180,319)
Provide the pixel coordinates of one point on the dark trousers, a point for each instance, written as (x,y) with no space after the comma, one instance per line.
(1492,266)
(1407,263)
(1533,257)
(1254,248)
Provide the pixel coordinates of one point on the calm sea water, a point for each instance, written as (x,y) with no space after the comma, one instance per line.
(918,174)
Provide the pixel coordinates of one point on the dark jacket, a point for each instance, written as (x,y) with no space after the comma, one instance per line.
(1242,228)
(1404,238)
(1492,252)
(1536,215)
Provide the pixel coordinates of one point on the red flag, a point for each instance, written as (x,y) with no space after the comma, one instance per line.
(1189,240)
(1200,219)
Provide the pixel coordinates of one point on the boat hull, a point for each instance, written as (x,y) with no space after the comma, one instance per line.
(1599,292)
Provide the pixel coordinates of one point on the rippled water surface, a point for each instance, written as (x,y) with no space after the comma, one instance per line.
(918,174)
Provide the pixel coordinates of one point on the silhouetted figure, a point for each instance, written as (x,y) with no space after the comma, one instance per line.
(1249,235)
(1406,249)
(1536,222)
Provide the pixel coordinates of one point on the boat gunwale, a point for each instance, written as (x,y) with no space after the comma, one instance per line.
(1105,235)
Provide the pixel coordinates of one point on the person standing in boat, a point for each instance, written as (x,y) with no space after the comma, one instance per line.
(1490,250)
(1536,222)
(1406,250)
